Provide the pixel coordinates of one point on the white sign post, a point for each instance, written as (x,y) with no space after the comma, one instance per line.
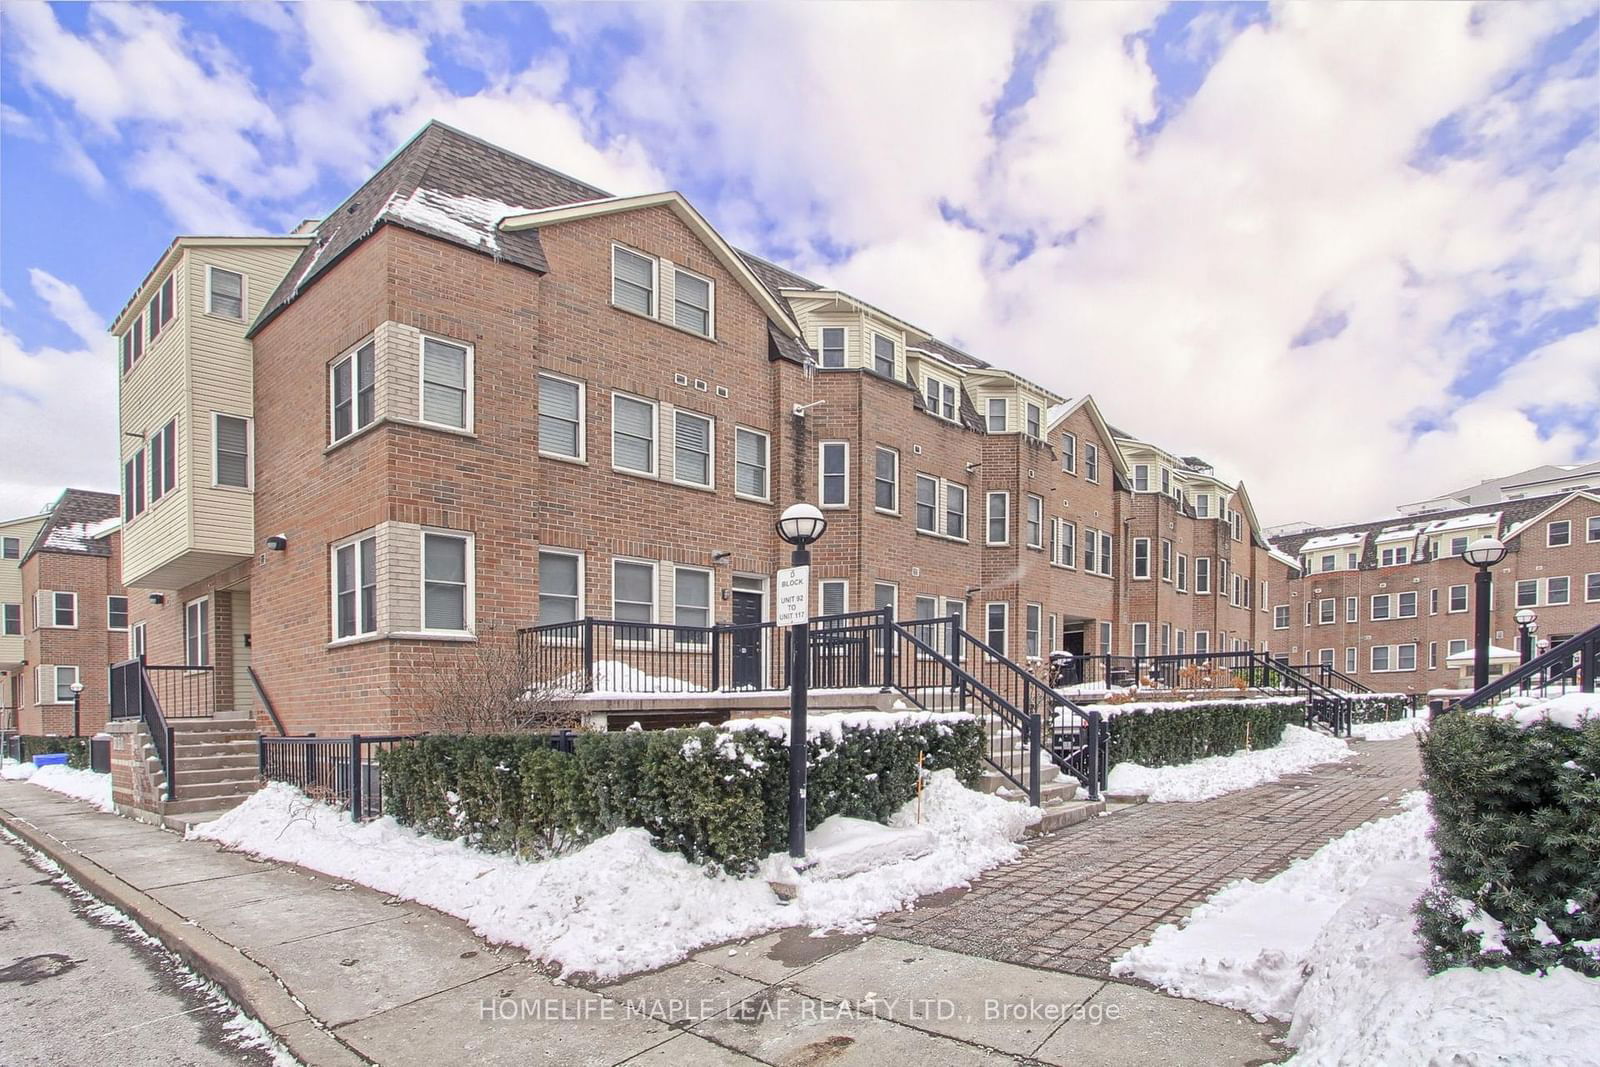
(794,601)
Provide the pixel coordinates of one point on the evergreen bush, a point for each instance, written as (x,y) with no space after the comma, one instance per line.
(76,748)
(1380,707)
(1165,735)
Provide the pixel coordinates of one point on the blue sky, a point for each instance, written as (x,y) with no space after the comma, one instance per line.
(1349,253)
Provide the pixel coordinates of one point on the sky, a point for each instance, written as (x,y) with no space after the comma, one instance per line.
(1346,252)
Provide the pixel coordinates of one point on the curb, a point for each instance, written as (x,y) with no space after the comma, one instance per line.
(254,988)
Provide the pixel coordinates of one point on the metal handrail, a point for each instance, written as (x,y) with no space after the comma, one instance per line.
(1585,646)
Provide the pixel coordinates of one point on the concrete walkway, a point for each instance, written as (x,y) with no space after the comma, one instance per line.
(344,976)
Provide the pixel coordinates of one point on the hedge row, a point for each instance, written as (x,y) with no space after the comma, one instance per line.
(1380,707)
(1517,828)
(1163,735)
(717,795)
(76,748)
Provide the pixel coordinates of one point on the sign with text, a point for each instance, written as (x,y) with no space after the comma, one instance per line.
(794,602)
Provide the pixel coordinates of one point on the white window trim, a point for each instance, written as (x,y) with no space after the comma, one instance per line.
(467,374)
(1352,609)
(1133,560)
(711,302)
(244,294)
(954,387)
(583,419)
(1591,530)
(1400,601)
(333,590)
(938,511)
(654,314)
(655,436)
(1283,608)
(1029,612)
(869,355)
(1549,600)
(211,653)
(1466,599)
(1167,550)
(655,600)
(1412,645)
(352,354)
(1005,517)
(249,454)
(711,450)
(1516,593)
(53,625)
(1134,642)
(1029,500)
(1005,626)
(1199,586)
(1088,447)
(1549,533)
(1069,454)
(1587,599)
(1388,608)
(1029,407)
(766,469)
(822,584)
(988,414)
(580,607)
(895,452)
(822,475)
(844,348)
(138,639)
(943,517)
(55,684)
(128,611)
(1331,615)
(711,607)
(469,608)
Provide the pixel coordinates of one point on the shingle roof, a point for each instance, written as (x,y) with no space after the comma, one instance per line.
(78,524)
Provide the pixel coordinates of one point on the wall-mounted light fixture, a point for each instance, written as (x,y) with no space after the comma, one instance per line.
(158,598)
(277,542)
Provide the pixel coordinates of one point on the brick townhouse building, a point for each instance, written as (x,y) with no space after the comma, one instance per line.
(63,613)
(481,394)
(1389,602)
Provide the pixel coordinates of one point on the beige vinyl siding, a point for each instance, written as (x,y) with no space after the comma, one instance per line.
(980,399)
(24,530)
(812,322)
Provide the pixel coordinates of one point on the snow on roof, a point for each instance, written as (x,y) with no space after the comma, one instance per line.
(1283,557)
(472,219)
(1398,533)
(1463,522)
(1496,654)
(1339,540)
(75,536)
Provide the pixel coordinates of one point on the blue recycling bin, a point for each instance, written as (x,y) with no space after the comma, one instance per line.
(47,759)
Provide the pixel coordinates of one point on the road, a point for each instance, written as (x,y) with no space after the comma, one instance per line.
(79,986)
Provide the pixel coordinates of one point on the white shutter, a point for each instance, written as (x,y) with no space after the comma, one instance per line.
(44,609)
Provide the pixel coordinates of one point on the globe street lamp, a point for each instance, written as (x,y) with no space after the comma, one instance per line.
(1483,554)
(77,703)
(801,525)
(1527,625)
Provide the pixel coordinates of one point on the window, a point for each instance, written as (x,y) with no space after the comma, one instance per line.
(133,486)
(633,434)
(882,355)
(64,678)
(224,293)
(1380,607)
(1395,555)
(10,620)
(750,463)
(446,377)
(927,504)
(1141,478)
(1380,658)
(1239,591)
(1327,611)
(692,437)
(1458,545)
(54,610)
(955,510)
(230,460)
(1280,617)
(353,391)
(927,607)
(1433,655)
(1557,591)
(1263,594)
(834,473)
(996,418)
(1202,641)
(833,339)
(1141,557)
(1350,660)
(1407,606)
(1593,529)
(886,595)
(834,595)
(886,480)
(1033,619)
(1091,553)
(691,605)
(1308,612)
(1166,560)
(1406,657)
(941,398)
(1433,602)
(163,460)
(1035,521)
(1455,647)
(561,404)
(1591,588)
(1141,639)
(1352,609)
(1091,462)
(1329,561)
(1349,559)
(692,302)
(633,281)
(1202,506)
(1558,534)
(159,311)
(560,586)
(446,582)
(1035,421)
(1528,593)
(355,588)
(633,597)
(116,613)
(1069,453)
(1325,657)
(999,516)
(1202,574)
(1105,639)
(137,643)
(10,547)
(995,620)
(1067,543)
(197,633)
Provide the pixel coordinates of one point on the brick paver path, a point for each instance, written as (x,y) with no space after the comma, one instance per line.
(1079,899)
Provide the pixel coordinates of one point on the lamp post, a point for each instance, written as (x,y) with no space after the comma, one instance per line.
(1483,554)
(801,525)
(1527,625)
(77,704)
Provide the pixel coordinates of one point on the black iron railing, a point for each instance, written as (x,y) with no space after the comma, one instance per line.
(133,697)
(183,691)
(341,771)
(1571,665)
(1333,678)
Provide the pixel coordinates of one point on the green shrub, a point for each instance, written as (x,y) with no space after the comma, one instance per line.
(717,795)
(1380,707)
(76,748)
(1166,734)
(1517,828)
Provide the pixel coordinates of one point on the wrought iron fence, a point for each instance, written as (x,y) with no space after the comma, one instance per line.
(341,771)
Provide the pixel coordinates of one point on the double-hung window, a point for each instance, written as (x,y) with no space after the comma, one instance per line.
(1141,557)
(1202,506)
(882,355)
(1407,606)
(995,418)
(1352,609)
(1280,617)
(834,595)
(197,633)
(10,547)
(955,510)
(1091,462)
(116,613)
(995,625)
(1592,529)
(633,281)
(833,346)
(1591,588)
(352,391)
(230,460)
(1380,658)
(633,434)
(691,605)
(1035,530)
(1166,560)
(1141,639)
(1141,478)
(163,460)
(999,518)
(355,588)
(941,398)
(633,597)
(1327,611)
(834,474)
(1034,420)
(446,383)
(1202,574)
(10,620)
(1406,657)
(1033,621)
(692,302)
(1069,453)
(1557,591)
(224,293)
(927,504)
(560,587)
(446,582)
(1558,534)
(1380,607)
(886,480)
(1183,573)
(1067,547)
(1528,593)
(56,610)
(133,486)
(692,437)
(561,417)
(750,463)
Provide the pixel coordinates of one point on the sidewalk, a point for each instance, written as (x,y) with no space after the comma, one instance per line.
(344,976)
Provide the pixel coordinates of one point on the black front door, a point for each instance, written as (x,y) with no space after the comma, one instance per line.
(746,639)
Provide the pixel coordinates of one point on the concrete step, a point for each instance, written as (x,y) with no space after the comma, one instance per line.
(193,776)
(211,763)
(186,747)
(230,788)
(1066,813)
(181,821)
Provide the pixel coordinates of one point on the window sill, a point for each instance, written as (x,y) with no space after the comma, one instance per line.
(753,499)
(576,461)
(1066,567)
(886,511)
(245,490)
(710,338)
(649,476)
(403,635)
(712,488)
(354,436)
(436,427)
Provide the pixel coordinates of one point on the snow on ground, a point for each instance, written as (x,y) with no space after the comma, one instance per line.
(620,905)
(82,785)
(1330,943)
(12,771)
(1569,709)
(1216,776)
(1390,731)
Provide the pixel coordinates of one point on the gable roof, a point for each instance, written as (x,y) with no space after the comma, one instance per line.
(1516,529)
(1061,412)
(777,311)
(78,524)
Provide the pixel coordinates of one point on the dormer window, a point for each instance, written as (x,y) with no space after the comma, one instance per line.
(633,281)
(883,355)
(833,338)
(996,417)
(1141,477)
(1395,555)
(691,297)
(1202,506)
(1166,480)
(1035,421)
(941,398)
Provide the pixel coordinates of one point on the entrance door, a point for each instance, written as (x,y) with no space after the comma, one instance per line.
(746,639)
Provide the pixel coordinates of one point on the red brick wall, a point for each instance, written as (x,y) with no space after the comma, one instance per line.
(92,647)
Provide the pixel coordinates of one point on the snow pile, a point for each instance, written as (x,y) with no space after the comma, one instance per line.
(82,785)
(1331,944)
(12,771)
(1389,731)
(612,678)
(1109,711)
(619,905)
(1569,709)
(834,723)
(1214,776)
